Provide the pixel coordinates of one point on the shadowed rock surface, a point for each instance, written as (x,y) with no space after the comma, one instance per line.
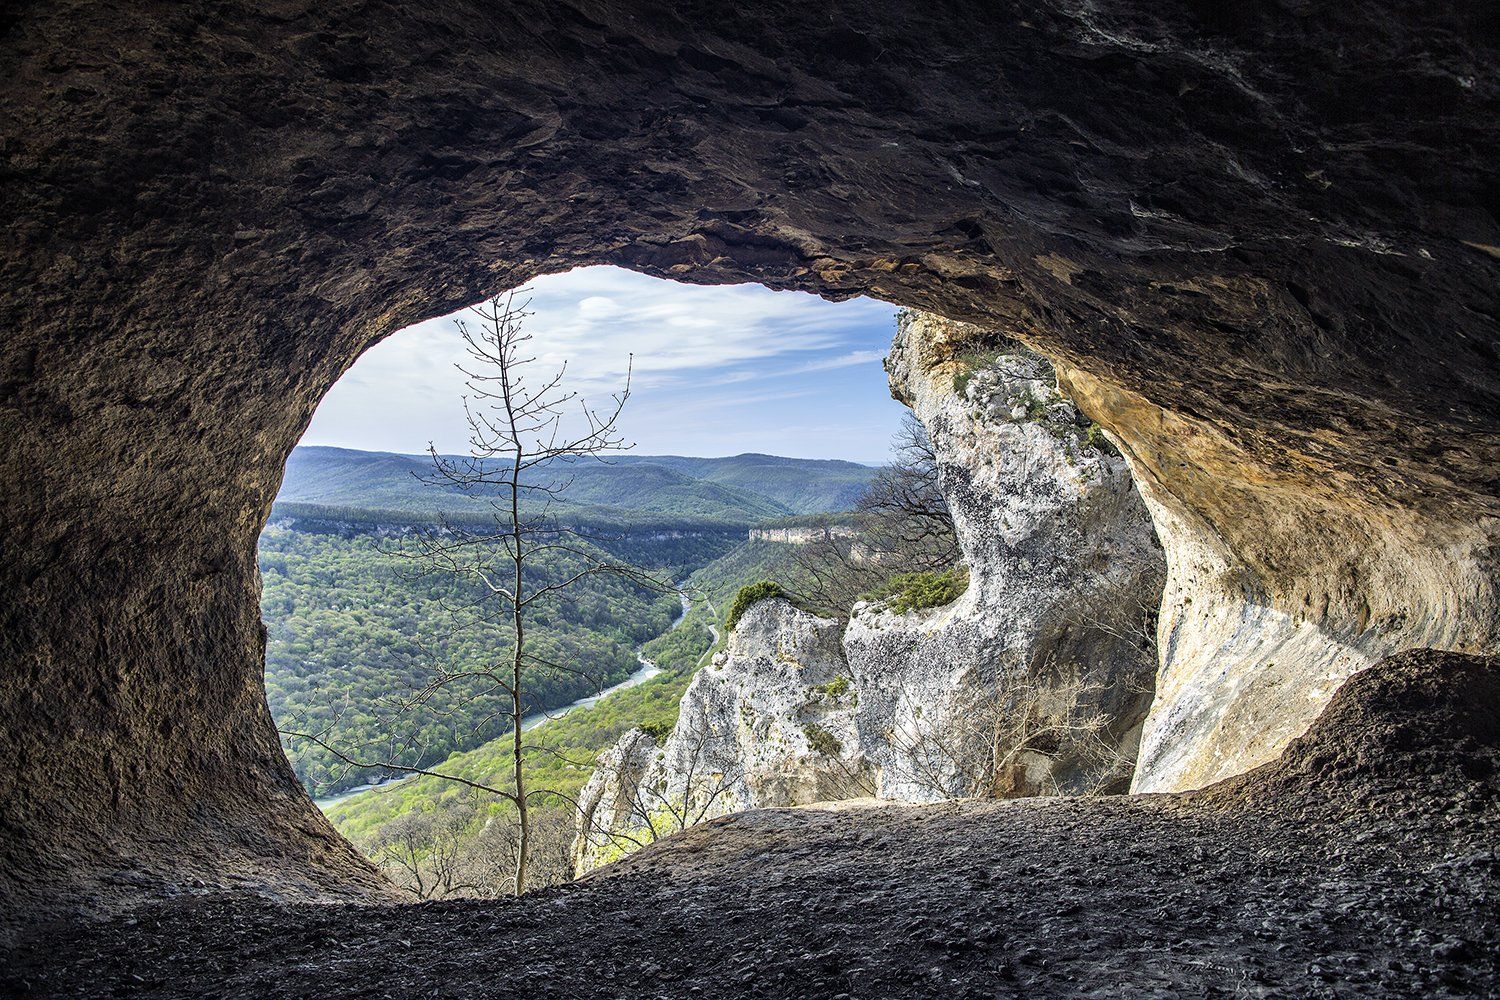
(1363,862)
(1263,236)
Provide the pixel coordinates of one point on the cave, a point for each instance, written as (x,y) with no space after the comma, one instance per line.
(1262,243)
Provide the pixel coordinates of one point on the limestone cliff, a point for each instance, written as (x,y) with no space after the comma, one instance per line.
(803,535)
(1050,646)
(1276,594)
(769,722)
(1035,680)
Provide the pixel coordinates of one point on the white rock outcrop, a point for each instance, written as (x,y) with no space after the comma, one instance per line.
(1050,648)
(804,534)
(1052,643)
(769,722)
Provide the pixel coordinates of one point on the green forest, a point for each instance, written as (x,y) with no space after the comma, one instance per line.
(354,627)
(573,742)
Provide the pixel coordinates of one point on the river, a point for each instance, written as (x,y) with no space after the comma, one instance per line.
(642,674)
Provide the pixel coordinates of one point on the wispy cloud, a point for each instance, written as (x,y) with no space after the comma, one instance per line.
(690,343)
(842,361)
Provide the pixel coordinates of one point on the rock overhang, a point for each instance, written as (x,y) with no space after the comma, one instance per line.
(1260,237)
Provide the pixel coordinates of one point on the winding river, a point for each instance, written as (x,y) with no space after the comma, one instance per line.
(642,674)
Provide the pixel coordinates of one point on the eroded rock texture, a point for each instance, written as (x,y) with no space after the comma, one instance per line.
(1362,863)
(1037,679)
(1277,592)
(767,723)
(1270,228)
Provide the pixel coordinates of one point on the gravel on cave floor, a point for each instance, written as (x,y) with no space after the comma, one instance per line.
(1359,865)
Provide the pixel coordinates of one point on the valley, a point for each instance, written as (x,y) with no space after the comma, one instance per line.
(354,623)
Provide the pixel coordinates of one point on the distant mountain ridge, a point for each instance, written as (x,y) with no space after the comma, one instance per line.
(744,489)
(802,485)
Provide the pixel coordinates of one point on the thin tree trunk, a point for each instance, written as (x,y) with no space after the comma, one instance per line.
(523,843)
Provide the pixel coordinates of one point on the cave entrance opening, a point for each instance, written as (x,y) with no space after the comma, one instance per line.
(756,417)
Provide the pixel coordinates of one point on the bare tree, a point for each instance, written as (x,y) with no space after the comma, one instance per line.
(1061,723)
(646,806)
(493,852)
(523,436)
(1009,735)
(902,525)
(908,494)
(423,853)
(456,850)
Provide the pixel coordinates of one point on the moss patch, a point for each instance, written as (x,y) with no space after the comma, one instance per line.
(914,591)
(751,595)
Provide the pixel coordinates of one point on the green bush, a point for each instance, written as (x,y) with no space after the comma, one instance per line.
(1094,438)
(658,731)
(836,688)
(750,596)
(1035,408)
(822,740)
(913,591)
(970,362)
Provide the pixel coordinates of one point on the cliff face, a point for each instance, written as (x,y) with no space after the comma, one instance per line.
(1048,654)
(1277,592)
(770,722)
(803,535)
(1051,650)
(1051,645)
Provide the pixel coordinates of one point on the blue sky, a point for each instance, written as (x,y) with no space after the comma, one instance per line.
(719,370)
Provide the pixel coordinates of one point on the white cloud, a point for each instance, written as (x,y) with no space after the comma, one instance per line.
(675,329)
(687,342)
(842,361)
(598,305)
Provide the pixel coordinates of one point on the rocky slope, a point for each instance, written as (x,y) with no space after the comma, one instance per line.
(1049,652)
(770,722)
(1362,863)
(1060,611)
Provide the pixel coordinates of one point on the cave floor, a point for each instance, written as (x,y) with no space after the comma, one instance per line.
(1387,895)
(1360,863)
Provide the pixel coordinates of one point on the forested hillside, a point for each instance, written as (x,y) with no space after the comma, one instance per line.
(456,820)
(801,485)
(670,546)
(743,489)
(354,628)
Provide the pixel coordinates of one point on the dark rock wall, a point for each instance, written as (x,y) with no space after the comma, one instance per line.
(1276,222)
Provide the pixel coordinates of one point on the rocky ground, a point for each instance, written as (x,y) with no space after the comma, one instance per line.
(1362,863)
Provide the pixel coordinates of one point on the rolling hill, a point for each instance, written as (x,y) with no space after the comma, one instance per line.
(743,489)
(351,625)
(801,485)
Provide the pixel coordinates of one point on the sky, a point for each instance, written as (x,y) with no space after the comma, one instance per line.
(718,370)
